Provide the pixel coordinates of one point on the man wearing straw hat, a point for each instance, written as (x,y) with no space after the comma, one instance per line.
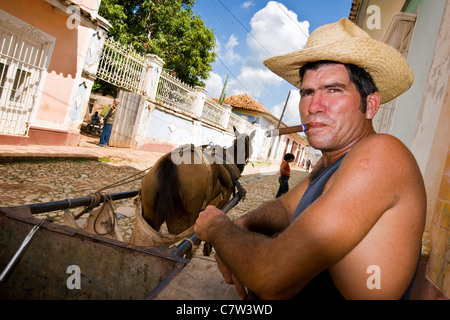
(353,228)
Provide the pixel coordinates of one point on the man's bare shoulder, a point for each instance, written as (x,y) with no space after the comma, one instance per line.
(383,164)
(382,188)
(383,140)
(382,151)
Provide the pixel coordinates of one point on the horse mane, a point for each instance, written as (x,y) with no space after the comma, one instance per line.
(168,197)
(235,152)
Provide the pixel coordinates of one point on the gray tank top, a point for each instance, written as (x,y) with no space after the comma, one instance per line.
(322,287)
(315,188)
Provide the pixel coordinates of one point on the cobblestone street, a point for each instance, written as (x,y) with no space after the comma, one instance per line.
(44,181)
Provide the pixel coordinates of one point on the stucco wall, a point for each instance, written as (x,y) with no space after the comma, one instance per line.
(420,57)
(424,129)
(63,64)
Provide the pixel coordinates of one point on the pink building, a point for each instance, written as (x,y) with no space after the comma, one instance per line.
(49,53)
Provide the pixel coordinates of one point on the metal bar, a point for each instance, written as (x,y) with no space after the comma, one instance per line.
(185,245)
(73,203)
(21,250)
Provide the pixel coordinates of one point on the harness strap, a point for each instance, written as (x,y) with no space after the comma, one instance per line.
(233,171)
(209,176)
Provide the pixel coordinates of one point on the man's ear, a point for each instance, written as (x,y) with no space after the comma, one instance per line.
(373,103)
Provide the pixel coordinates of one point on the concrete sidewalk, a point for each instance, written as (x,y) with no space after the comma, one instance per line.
(89,149)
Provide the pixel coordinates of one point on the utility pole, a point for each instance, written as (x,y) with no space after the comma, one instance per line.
(284,109)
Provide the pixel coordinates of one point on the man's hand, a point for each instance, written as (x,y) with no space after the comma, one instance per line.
(230,278)
(207,220)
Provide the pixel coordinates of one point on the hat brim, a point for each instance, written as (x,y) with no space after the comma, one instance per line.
(389,70)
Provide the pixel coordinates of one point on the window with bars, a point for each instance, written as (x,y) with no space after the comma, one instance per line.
(20,85)
(23,56)
(3,71)
(399,36)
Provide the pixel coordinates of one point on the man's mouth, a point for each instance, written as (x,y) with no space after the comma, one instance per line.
(313,125)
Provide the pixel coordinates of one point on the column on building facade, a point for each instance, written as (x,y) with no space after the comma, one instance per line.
(225,116)
(94,52)
(154,66)
(275,142)
(199,102)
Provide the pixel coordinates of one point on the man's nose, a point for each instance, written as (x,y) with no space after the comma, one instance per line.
(316,103)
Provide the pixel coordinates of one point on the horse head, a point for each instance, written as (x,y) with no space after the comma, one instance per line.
(241,148)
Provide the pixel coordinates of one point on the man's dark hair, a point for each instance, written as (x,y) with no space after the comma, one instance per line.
(288,156)
(358,76)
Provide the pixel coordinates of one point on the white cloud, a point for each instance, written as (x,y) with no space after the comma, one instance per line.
(254,79)
(276,30)
(291,115)
(218,46)
(247,4)
(214,85)
(230,57)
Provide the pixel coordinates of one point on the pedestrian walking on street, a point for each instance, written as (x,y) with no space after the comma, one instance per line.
(308,164)
(285,172)
(353,228)
(108,121)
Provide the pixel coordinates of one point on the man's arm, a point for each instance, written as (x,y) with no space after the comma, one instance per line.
(274,216)
(269,218)
(365,186)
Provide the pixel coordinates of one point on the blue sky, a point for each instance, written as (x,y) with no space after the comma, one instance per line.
(248,32)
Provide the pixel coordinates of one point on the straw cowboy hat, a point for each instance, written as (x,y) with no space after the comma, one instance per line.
(345,42)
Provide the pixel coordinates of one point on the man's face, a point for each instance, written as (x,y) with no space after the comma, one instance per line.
(330,104)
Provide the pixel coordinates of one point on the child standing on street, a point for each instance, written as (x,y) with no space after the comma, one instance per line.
(285,172)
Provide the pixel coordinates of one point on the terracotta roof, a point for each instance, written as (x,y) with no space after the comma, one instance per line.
(354,10)
(244,101)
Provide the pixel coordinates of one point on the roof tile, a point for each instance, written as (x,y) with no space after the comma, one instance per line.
(244,101)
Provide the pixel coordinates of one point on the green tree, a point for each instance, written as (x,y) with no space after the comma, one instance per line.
(167,28)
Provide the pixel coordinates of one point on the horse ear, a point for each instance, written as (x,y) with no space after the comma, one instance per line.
(236,132)
(252,135)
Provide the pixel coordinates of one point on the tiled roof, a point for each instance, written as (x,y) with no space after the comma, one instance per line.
(244,101)
(354,10)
